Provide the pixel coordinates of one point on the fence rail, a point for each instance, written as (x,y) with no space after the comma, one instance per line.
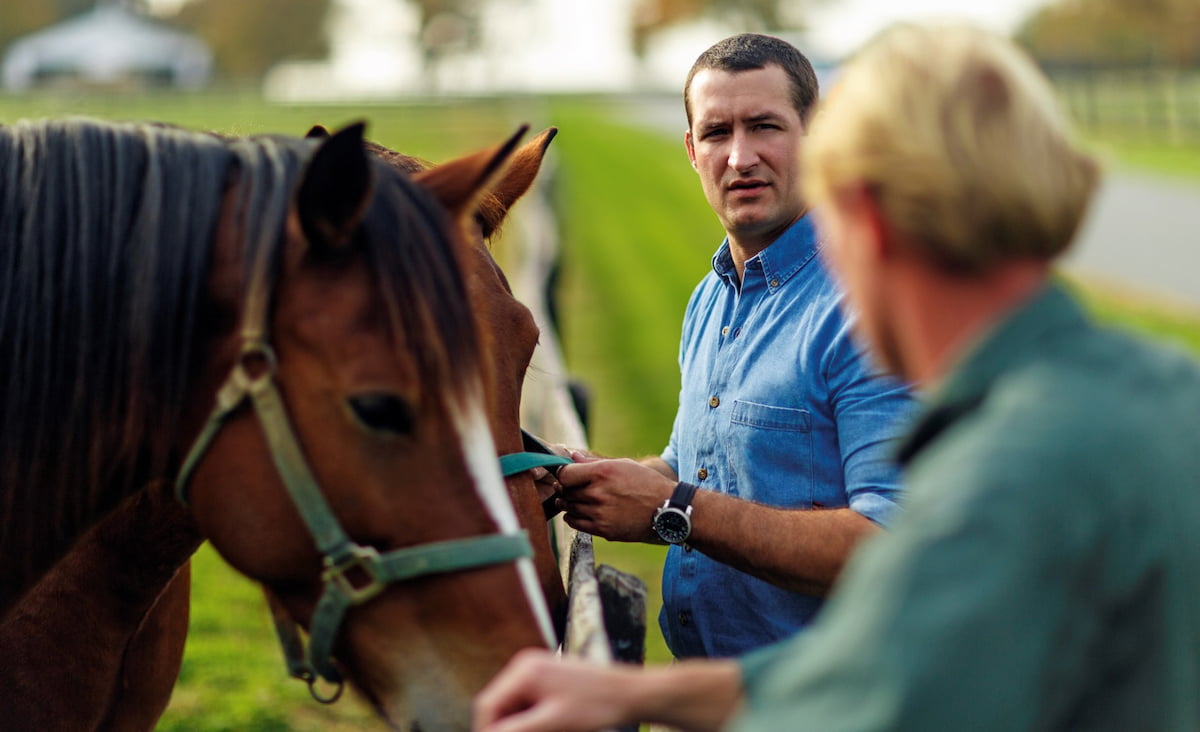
(1152,103)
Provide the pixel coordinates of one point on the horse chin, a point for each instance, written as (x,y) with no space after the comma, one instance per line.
(425,678)
(426,695)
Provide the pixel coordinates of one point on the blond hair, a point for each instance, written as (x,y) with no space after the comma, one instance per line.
(960,138)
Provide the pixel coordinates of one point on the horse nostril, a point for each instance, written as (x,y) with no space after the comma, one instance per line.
(384,413)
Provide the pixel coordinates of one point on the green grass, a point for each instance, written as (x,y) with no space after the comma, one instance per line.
(637,236)
(1123,151)
(233,676)
(1176,325)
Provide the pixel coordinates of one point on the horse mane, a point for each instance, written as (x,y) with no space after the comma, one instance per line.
(489,213)
(105,235)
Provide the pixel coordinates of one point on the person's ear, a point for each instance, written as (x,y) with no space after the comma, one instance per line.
(882,235)
(691,150)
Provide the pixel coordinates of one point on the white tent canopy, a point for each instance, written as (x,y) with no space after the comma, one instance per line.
(104,46)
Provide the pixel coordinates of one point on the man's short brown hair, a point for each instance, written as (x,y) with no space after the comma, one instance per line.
(749,51)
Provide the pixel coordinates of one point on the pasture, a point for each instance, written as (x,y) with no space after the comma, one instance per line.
(636,236)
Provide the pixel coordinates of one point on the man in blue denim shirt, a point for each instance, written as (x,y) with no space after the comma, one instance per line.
(782,425)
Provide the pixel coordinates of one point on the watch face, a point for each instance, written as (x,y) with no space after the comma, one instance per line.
(672,525)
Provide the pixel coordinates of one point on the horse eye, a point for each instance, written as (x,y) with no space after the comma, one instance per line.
(384,413)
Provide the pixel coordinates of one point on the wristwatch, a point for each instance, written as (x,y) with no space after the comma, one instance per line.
(673,520)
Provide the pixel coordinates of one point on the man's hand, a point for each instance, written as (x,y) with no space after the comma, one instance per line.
(536,692)
(546,481)
(612,499)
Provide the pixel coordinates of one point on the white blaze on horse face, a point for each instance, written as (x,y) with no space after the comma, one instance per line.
(480,453)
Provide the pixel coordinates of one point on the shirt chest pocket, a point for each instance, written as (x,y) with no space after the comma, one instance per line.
(771,454)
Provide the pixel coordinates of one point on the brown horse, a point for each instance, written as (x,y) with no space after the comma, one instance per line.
(351,301)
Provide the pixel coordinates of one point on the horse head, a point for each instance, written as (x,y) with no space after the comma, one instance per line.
(349,464)
(507,329)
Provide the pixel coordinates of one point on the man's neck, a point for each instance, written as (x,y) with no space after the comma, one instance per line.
(745,246)
(948,314)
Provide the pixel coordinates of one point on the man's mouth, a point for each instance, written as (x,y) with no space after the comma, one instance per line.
(747,186)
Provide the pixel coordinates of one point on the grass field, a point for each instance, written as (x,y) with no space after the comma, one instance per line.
(637,235)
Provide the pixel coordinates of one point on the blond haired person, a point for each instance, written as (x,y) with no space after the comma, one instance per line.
(1046,572)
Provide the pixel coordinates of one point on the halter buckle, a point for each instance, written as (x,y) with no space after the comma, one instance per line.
(355,573)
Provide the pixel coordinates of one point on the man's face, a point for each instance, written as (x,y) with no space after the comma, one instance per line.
(851,227)
(745,143)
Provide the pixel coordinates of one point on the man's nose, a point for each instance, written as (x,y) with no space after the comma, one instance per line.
(742,155)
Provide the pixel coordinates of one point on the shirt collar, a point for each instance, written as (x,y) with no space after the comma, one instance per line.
(1015,339)
(782,258)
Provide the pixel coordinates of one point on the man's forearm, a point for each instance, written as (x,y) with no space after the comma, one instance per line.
(698,696)
(799,550)
(537,692)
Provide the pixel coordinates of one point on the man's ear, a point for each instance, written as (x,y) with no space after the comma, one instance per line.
(883,242)
(691,150)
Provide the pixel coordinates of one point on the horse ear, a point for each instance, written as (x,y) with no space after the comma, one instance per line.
(524,168)
(317,132)
(459,184)
(335,188)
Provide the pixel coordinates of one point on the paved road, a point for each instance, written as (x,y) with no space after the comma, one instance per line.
(1142,234)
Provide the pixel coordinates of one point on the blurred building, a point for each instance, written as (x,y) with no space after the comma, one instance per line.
(501,46)
(380,49)
(109,45)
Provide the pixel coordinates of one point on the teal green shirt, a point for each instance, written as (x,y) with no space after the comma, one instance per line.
(1045,573)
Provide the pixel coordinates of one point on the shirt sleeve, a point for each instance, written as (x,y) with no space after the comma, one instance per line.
(872,411)
(960,617)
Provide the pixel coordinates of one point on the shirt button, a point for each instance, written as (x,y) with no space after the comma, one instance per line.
(725,330)
(685,618)
(774,283)
(714,401)
(687,548)
(702,473)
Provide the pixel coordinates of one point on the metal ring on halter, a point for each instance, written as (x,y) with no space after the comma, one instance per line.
(255,351)
(311,679)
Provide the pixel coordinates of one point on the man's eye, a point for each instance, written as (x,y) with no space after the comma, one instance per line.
(384,413)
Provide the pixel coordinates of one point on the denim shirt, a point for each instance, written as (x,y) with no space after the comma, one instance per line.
(779,407)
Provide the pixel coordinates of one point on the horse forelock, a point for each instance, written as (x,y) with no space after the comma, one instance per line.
(410,245)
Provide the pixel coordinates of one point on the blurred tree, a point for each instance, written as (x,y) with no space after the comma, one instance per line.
(19,17)
(247,37)
(1115,33)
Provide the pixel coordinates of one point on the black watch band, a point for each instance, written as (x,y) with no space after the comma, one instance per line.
(681,498)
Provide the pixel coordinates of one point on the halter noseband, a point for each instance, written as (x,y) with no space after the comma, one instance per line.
(353,574)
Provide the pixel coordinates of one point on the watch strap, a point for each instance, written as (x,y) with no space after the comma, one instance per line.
(681,498)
